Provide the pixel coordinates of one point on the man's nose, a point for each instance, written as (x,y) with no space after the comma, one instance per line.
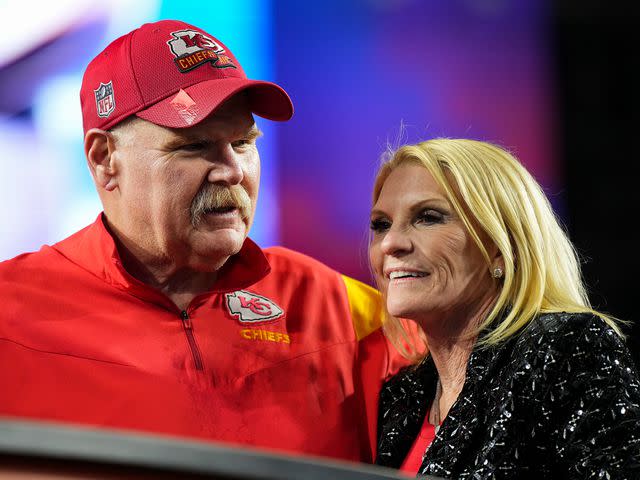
(226,167)
(396,241)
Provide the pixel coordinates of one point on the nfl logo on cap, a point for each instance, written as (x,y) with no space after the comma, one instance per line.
(105,102)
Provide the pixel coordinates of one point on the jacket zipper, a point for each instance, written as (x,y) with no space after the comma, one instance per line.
(188,329)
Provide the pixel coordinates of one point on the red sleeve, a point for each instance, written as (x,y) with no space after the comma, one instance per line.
(377,358)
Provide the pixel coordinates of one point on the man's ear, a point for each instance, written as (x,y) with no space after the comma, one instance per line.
(99,148)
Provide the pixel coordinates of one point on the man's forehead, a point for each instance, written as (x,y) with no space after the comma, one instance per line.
(229,122)
(232,118)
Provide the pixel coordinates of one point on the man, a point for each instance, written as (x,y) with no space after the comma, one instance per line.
(163,316)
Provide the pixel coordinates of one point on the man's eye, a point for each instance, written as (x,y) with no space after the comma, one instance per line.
(193,147)
(241,143)
(379,225)
(430,217)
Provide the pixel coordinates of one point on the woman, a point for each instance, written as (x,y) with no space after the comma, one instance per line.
(516,376)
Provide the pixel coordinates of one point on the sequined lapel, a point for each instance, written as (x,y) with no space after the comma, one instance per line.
(404,402)
(461,423)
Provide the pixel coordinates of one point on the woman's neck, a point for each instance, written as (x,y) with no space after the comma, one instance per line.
(450,359)
(450,340)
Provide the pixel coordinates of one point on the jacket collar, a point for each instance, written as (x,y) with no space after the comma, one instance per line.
(94,250)
(404,402)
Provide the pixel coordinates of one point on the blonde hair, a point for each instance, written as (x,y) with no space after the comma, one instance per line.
(490,189)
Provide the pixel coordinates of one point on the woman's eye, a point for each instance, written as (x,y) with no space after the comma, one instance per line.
(379,225)
(430,217)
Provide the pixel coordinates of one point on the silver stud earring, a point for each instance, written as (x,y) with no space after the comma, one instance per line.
(497,273)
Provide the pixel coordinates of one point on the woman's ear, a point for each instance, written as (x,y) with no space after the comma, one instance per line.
(99,148)
(497,265)
(498,260)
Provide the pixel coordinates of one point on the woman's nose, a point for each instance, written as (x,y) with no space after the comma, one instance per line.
(396,241)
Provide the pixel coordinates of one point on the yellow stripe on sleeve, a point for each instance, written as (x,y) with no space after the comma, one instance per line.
(365,304)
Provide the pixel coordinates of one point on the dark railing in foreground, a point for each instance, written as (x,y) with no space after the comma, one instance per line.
(52,451)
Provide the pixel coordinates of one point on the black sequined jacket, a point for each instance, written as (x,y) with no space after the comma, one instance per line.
(560,400)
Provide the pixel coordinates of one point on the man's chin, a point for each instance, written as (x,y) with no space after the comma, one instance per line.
(221,243)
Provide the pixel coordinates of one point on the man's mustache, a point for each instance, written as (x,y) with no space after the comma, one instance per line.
(214,197)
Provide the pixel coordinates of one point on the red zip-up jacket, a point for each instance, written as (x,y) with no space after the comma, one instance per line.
(282,353)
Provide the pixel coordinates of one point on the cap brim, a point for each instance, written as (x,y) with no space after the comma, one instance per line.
(266,100)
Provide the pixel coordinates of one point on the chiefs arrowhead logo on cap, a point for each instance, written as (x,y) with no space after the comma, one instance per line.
(192,49)
(248,307)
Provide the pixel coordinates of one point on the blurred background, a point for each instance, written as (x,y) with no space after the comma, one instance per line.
(554,81)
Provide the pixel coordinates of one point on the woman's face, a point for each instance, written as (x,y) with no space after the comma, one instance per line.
(422,255)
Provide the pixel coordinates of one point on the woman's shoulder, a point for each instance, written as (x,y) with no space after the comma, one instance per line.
(567,321)
(577,341)
(564,329)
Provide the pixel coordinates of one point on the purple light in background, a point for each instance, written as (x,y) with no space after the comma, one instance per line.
(46,190)
(358,71)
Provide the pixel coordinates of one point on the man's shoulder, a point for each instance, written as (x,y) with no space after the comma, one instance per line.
(296,266)
(287,257)
(294,271)
(26,262)
(24,281)
(35,265)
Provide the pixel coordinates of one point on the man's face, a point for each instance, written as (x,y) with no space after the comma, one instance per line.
(188,196)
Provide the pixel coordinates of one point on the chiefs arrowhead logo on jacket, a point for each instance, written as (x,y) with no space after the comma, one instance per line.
(248,307)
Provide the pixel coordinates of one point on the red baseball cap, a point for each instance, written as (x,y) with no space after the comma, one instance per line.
(172,74)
